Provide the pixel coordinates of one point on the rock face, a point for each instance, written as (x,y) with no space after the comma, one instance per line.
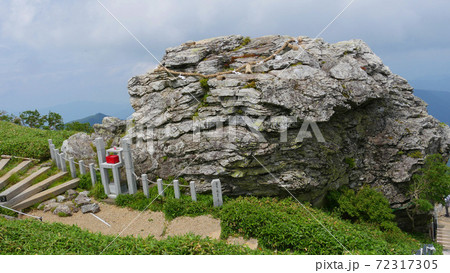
(244,128)
(80,146)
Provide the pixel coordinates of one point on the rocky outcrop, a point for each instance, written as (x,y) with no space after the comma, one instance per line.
(244,128)
(80,146)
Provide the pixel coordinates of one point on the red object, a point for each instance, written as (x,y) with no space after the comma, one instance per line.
(112,159)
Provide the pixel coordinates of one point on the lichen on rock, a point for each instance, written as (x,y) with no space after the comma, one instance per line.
(364,111)
(244,128)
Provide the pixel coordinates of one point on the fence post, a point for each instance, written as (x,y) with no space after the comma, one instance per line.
(116,177)
(145,185)
(216,188)
(57,160)
(82,169)
(193,192)
(52,152)
(219,192)
(63,162)
(159,182)
(129,168)
(93,174)
(176,189)
(50,143)
(101,154)
(73,169)
(214,193)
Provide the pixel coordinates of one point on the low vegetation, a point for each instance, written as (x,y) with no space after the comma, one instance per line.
(28,142)
(431,184)
(33,237)
(366,205)
(169,205)
(284,225)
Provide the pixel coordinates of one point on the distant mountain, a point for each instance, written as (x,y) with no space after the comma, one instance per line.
(94,119)
(438,103)
(80,109)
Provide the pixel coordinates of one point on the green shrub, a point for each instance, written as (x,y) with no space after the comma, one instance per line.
(286,225)
(366,205)
(85,182)
(174,208)
(98,192)
(169,205)
(430,184)
(136,201)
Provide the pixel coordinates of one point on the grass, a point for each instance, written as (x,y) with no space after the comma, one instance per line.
(13,162)
(169,205)
(27,142)
(282,224)
(28,237)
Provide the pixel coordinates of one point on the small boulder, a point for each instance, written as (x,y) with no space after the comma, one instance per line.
(50,206)
(82,200)
(71,194)
(60,198)
(85,193)
(43,204)
(62,210)
(72,206)
(94,208)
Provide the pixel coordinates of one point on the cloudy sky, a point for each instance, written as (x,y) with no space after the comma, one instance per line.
(62,51)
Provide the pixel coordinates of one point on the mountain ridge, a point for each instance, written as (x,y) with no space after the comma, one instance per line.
(92,119)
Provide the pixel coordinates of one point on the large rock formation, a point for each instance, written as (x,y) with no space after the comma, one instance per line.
(375,130)
(80,146)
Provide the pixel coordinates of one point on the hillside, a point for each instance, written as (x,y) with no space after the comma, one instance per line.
(28,142)
(93,119)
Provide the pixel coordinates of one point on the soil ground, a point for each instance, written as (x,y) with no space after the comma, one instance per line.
(125,221)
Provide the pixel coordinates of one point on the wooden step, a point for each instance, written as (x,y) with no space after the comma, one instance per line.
(47,194)
(18,168)
(3,163)
(37,188)
(22,185)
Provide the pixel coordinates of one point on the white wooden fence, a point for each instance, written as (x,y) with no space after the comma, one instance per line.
(114,189)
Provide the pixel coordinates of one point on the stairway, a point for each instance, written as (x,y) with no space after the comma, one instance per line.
(26,192)
(443,233)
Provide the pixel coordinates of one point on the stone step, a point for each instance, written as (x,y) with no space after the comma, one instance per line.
(3,163)
(22,185)
(18,168)
(43,185)
(47,194)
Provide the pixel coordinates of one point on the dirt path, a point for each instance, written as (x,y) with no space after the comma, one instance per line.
(143,224)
